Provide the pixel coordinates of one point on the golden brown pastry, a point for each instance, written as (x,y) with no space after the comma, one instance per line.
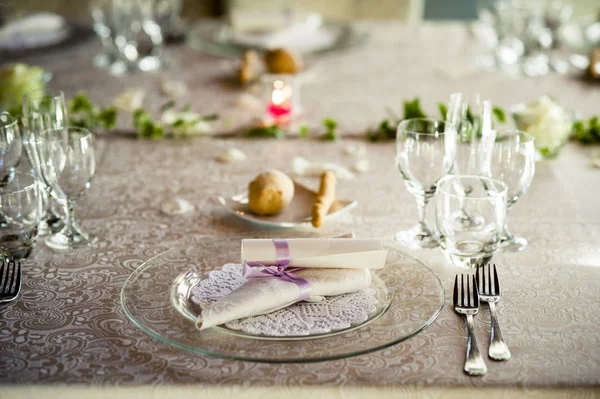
(270,192)
(324,199)
(249,69)
(282,61)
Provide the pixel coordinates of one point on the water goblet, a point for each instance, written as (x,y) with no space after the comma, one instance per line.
(68,166)
(472,244)
(10,147)
(139,36)
(41,112)
(21,209)
(104,26)
(513,162)
(425,152)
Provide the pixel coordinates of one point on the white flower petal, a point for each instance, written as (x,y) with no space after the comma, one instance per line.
(176,206)
(362,166)
(130,99)
(232,155)
(174,88)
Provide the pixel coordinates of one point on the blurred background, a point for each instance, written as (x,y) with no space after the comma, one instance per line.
(408,10)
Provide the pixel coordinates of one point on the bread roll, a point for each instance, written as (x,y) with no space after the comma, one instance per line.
(270,192)
(282,61)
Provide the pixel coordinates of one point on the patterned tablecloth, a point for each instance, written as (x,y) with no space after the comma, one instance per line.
(68,326)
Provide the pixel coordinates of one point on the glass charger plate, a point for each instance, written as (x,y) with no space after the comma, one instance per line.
(214,37)
(156,299)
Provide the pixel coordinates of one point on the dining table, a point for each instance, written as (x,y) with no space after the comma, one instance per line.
(67,334)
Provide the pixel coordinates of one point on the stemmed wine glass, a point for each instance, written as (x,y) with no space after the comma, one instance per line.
(42,112)
(425,152)
(474,140)
(68,166)
(10,147)
(513,162)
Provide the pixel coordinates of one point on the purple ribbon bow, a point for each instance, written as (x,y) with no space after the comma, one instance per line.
(278,270)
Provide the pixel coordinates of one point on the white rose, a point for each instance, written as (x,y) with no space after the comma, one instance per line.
(548,122)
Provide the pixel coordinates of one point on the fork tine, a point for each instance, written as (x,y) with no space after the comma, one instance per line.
(468,298)
(12,267)
(455,297)
(18,282)
(489,280)
(496,282)
(475,294)
(2,275)
(462,291)
(477,274)
(481,283)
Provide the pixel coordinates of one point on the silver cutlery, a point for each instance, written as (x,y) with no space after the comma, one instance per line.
(10,280)
(490,292)
(466,302)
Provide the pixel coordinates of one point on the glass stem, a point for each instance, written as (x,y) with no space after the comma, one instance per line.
(507,234)
(422,201)
(69,228)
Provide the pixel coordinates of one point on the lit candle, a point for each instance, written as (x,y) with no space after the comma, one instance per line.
(280,106)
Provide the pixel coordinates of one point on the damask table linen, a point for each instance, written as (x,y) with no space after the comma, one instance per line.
(68,327)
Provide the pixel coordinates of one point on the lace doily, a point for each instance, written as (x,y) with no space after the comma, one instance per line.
(302,318)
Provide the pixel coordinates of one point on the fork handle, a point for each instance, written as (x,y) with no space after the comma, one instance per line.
(498,349)
(474,365)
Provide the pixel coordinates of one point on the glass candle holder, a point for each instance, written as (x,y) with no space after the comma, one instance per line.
(281,95)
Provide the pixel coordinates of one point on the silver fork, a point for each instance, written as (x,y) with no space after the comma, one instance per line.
(10,280)
(468,305)
(490,293)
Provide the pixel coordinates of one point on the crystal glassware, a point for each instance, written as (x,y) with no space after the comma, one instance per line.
(470,245)
(513,162)
(104,26)
(425,152)
(139,37)
(10,147)
(68,166)
(42,112)
(21,209)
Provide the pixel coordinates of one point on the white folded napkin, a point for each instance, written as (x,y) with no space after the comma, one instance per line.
(33,31)
(328,253)
(303,167)
(265,295)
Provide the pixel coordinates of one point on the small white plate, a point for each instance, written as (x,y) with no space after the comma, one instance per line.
(296,214)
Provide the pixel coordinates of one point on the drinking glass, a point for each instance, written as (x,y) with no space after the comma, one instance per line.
(10,147)
(425,152)
(513,162)
(68,166)
(138,35)
(470,245)
(104,26)
(473,141)
(42,112)
(21,209)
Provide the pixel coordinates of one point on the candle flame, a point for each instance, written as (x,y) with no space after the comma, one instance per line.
(277,97)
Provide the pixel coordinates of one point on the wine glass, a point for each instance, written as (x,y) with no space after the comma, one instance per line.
(41,112)
(10,147)
(138,35)
(425,152)
(474,139)
(470,245)
(103,22)
(68,166)
(21,209)
(513,162)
